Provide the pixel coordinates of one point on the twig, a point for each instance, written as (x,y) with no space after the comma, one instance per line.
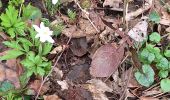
(147,6)
(51,70)
(86,14)
(129,76)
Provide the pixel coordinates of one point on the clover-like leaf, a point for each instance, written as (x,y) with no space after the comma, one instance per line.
(146,77)
(154,16)
(163,73)
(165,85)
(155,37)
(163,64)
(167,53)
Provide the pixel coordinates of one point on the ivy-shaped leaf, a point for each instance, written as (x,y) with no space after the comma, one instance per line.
(165,85)
(146,77)
(155,37)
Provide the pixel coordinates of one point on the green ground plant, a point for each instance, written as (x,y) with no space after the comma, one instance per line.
(24,45)
(154,58)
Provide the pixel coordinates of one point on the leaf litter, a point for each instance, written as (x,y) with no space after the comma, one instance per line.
(78,76)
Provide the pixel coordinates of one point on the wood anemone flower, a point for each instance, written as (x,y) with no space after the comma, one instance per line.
(44,33)
(54,1)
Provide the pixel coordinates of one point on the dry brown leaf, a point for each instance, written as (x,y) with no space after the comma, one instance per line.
(79,46)
(148,98)
(165,19)
(13,77)
(139,31)
(106,60)
(51,97)
(112,3)
(97,88)
(35,85)
(64,85)
(168,29)
(74,32)
(2,72)
(58,72)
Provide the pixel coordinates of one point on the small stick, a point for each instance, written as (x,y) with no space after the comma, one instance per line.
(86,14)
(51,70)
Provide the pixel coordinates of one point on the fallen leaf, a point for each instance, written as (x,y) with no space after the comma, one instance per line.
(168,29)
(139,31)
(64,85)
(12,77)
(58,73)
(148,98)
(78,93)
(165,19)
(106,60)
(57,49)
(35,85)
(2,72)
(79,46)
(112,3)
(51,97)
(80,73)
(97,88)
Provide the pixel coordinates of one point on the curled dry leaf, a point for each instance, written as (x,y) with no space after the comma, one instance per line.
(112,3)
(148,98)
(139,31)
(106,60)
(64,85)
(51,97)
(2,72)
(97,88)
(165,19)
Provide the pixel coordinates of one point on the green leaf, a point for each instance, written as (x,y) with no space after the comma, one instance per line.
(38,60)
(12,54)
(31,12)
(13,44)
(46,48)
(163,73)
(151,57)
(40,71)
(154,16)
(6,86)
(163,64)
(12,23)
(165,85)
(167,53)
(155,37)
(146,77)
(27,63)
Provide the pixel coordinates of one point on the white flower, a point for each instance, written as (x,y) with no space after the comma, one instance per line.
(54,1)
(44,33)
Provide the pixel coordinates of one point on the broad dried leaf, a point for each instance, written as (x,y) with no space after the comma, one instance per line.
(2,72)
(165,19)
(64,85)
(148,98)
(97,88)
(112,3)
(106,60)
(51,97)
(35,85)
(139,31)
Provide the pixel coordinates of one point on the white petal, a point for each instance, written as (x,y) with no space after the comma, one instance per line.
(54,1)
(37,36)
(50,32)
(37,28)
(42,25)
(49,39)
(43,39)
